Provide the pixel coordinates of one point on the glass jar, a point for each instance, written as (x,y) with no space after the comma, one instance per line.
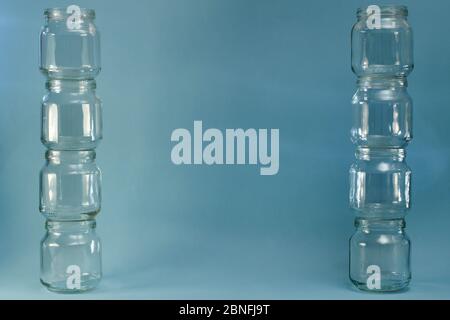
(380,183)
(380,255)
(382,42)
(382,113)
(71,256)
(70,44)
(70,186)
(71,115)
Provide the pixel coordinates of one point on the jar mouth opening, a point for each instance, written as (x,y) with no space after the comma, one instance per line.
(61,13)
(385,11)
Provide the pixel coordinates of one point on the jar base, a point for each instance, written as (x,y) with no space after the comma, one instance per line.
(387,286)
(88,283)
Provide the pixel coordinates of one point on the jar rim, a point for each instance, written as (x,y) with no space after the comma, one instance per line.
(81,85)
(365,153)
(385,10)
(379,223)
(70,156)
(61,13)
(71,226)
(382,81)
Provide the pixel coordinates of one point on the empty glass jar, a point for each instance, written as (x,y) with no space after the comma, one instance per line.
(382,42)
(71,115)
(70,44)
(380,255)
(71,256)
(380,183)
(70,186)
(382,113)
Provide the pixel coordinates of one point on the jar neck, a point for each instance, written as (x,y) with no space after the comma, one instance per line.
(380,224)
(72,227)
(381,82)
(368,154)
(70,157)
(386,11)
(72,86)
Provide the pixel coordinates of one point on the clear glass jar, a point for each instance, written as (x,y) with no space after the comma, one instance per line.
(71,256)
(70,44)
(70,186)
(71,115)
(384,46)
(382,113)
(380,255)
(380,183)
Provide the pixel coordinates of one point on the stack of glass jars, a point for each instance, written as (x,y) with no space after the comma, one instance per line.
(70,181)
(382,58)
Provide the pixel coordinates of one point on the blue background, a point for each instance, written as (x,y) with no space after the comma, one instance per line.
(193,232)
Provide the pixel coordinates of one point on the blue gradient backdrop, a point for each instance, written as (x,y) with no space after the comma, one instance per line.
(223,232)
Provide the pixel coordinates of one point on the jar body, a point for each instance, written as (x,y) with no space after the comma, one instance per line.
(382,114)
(71,116)
(70,50)
(380,183)
(70,257)
(380,255)
(384,48)
(70,186)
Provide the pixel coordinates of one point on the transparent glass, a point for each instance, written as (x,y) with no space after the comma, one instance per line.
(385,49)
(380,183)
(71,129)
(382,113)
(70,257)
(70,186)
(71,115)
(380,255)
(380,179)
(70,45)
